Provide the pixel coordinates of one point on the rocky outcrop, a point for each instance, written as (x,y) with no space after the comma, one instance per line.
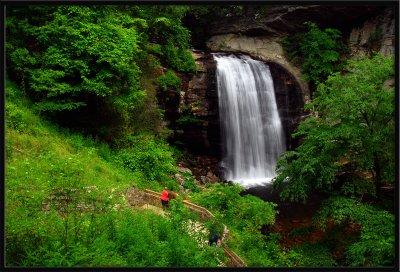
(258,31)
(198,122)
(374,35)
(289,99)
(273,21)
(203,168)
(263,48)
(291,90)
(200,101)
(195,109)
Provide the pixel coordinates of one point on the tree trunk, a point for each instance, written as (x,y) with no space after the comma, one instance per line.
(378,175)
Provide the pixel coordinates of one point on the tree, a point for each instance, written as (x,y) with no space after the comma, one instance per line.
(351,131)
(167,37)
(92,68)
(75,52)
(374,245)
(317,51)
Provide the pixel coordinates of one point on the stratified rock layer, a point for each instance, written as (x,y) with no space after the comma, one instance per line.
(286,19)
(263,48)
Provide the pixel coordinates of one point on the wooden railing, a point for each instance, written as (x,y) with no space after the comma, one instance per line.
(153,198)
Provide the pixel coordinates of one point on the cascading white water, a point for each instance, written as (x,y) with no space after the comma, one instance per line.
(252,132)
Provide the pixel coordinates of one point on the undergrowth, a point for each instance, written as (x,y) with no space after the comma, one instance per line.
(65,199)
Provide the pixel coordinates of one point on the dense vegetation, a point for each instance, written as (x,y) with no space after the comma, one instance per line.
(318,52)
(100,66)
(256,249)
(92,60)
(65,201)
(83,125)
(352,132)
(347,149)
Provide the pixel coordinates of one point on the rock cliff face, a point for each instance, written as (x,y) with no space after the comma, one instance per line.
(283,19)
(198,109)
(376,34)
(263,48)
(200,101)
(289,99)
(367,28)
(195,112)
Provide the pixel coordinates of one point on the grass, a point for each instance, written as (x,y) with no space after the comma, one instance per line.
(64,205)
(43,155)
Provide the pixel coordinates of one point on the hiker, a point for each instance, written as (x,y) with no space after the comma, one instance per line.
(172,194)
(215,238)
(219,242)
(164,198)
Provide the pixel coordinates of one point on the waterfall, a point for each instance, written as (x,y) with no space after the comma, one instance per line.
(251,129)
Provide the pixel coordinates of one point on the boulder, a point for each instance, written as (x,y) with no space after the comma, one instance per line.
(180,179)
(211,177)
(184,170)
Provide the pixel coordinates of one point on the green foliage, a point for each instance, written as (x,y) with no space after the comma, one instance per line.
(77,50)
(17,117)
(375,246)
(65,203)
(189,183)
(148,118)
(264,250)
(254,212)
(179,59)
(244,216)
(315,255)
(114,238)
(353,121)
(356,186)
(100,62)
(318,51)
(152,156)
(220,197)
(188,119)
(169,80)
(156,242)
(214,225)
(226,200)
(170,39)
(179,214)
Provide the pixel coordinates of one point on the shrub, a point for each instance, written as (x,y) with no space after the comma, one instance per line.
(169,80)
(375,245)
(317,51)
(317,254)
(112,238)
(179,59)
(352,120)
(254,212)
(220,197)
(149,155)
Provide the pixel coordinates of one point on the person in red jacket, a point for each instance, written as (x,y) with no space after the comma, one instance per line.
(164,198)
